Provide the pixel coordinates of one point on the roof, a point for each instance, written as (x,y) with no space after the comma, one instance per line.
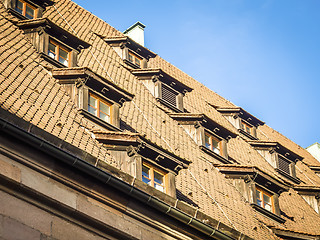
(28,91)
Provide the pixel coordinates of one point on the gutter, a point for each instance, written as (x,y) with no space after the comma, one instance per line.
(110,180)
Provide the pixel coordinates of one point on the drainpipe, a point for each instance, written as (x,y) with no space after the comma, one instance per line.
(110,180)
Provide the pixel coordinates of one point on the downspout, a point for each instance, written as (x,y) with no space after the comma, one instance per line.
(110,180)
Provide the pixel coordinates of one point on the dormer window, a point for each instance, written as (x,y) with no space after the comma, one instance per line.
(99,107)
(133,58)
(246,127)
(133,54)
(213,143)
(279,157)
(26,9)
(242,120)
(211,137)
(257,187)
(165,88)
(144,160)
(56,46)
(98,99)
(59,53)
(153,177)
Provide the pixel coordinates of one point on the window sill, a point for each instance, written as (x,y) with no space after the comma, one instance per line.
(16,14)
(135,66)
(169,105)
(52,61)
(98,121)
(215,155)
(267,213)
(247,134)
(293,179)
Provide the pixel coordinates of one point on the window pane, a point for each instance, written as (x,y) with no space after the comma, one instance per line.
(266,199)
(93,102)
(137,61)
(63,57)
(259,202)
(145,171)
(92,110)
(130,58)
(268,207)
(146,180)
(104,117)
(258,194)
(207,141)
(92,105)
(104,108)
(19,7)
(29,12)
(52,50)
(158,178)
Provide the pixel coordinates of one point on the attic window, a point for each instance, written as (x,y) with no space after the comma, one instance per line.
(99,107)
(264,199)
(26,9)
(213,143)
(169,95)
(153,177)
(246,127)
(133,58)
(59,52)
(284,164)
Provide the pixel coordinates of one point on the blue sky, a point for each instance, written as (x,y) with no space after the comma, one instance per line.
(262,55)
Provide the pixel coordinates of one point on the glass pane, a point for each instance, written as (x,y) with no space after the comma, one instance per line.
(92,110)
(258,194)
(104,108)
(146,180)
(29,12)
(158,178)
(104,117)
(145,171)
(215,143)
(130,58)
(207,141)
(93,102)
(259,202)
(242,126)
(137,61)
(52,50)
(268,207)
(266,199)
(63,57)
(19,7)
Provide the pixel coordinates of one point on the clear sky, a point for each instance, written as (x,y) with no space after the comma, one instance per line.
(262,55)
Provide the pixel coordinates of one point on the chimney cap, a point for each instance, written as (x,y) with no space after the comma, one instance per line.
(137,24)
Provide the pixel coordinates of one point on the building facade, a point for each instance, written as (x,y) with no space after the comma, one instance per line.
(101,138)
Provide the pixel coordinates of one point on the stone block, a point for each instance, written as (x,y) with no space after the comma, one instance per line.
(14,230)
(49,187)
(9,170)
(25,213)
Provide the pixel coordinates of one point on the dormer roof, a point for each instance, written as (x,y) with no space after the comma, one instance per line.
(242,114)
(136,143)
(158,74)
(275,146)
(128,42)
(92,80)
(200,118)
(54,30)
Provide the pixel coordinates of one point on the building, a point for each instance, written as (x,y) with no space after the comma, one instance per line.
(103,139)
(314,149)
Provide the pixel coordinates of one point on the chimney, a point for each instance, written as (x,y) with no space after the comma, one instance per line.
(136,33)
